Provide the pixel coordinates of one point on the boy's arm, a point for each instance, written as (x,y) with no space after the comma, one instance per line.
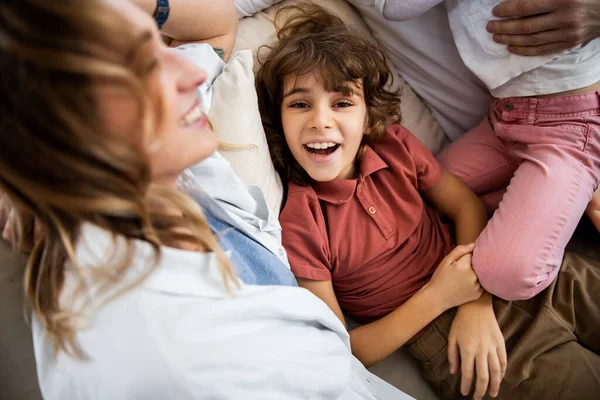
(324,291)
(375,341)
(401,10)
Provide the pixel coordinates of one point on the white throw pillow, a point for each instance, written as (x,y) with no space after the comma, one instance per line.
(236,120)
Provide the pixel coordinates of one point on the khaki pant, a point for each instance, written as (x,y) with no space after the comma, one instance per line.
(552,340)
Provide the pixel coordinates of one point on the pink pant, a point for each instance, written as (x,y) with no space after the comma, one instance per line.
(536,162)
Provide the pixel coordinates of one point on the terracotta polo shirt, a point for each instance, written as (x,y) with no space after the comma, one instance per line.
(374,237)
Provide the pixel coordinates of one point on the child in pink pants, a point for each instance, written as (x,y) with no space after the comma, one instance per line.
(535,161)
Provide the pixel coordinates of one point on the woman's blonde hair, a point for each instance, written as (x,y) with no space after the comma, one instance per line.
(59,162)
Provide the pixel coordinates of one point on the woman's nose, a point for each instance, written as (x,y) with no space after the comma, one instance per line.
(190,76)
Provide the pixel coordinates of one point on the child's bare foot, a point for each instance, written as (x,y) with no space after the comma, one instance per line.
(593,209)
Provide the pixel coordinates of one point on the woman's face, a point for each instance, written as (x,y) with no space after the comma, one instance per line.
(180,133)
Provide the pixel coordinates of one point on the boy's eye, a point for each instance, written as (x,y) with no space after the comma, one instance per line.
(299,104)
(343,104)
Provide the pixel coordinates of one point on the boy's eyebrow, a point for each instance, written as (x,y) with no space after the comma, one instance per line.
(346,89)
(294,91)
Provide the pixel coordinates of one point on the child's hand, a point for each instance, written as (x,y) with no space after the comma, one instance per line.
(476,336)
(454,282)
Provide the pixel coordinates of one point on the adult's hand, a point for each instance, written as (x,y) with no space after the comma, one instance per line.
(537,27)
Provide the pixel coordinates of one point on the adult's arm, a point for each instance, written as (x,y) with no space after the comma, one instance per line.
(207,21)
(536,27)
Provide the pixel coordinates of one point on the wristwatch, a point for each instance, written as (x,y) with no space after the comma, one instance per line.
(162,12)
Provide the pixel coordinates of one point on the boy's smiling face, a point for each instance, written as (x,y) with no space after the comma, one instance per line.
(323,129)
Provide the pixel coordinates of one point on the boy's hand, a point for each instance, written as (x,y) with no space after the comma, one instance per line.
(476,336)
(454,282)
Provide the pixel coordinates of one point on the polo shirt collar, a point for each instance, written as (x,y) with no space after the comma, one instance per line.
(339,191)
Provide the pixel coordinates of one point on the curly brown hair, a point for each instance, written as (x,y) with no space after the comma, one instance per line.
(312,39)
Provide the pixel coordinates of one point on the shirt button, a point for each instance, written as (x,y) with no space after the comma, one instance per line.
(508,106)
(372,210)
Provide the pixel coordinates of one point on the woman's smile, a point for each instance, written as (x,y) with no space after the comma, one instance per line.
(192,116)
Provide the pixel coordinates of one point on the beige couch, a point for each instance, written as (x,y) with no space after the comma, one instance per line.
(18,380)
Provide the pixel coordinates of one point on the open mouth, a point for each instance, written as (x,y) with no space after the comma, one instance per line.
(321,149)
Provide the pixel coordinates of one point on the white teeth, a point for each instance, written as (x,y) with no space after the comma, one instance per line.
(192,116)
(324,145)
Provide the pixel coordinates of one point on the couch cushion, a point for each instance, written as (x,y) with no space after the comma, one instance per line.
(235,118)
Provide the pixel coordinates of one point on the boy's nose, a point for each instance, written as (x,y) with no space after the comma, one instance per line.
(321,119)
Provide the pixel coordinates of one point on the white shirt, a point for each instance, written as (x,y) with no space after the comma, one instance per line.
(423,51)
(511,75)
(181,335)
(245,204)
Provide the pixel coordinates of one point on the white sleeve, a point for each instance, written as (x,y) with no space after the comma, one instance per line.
(401,10)
(246,205)
(247,8)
